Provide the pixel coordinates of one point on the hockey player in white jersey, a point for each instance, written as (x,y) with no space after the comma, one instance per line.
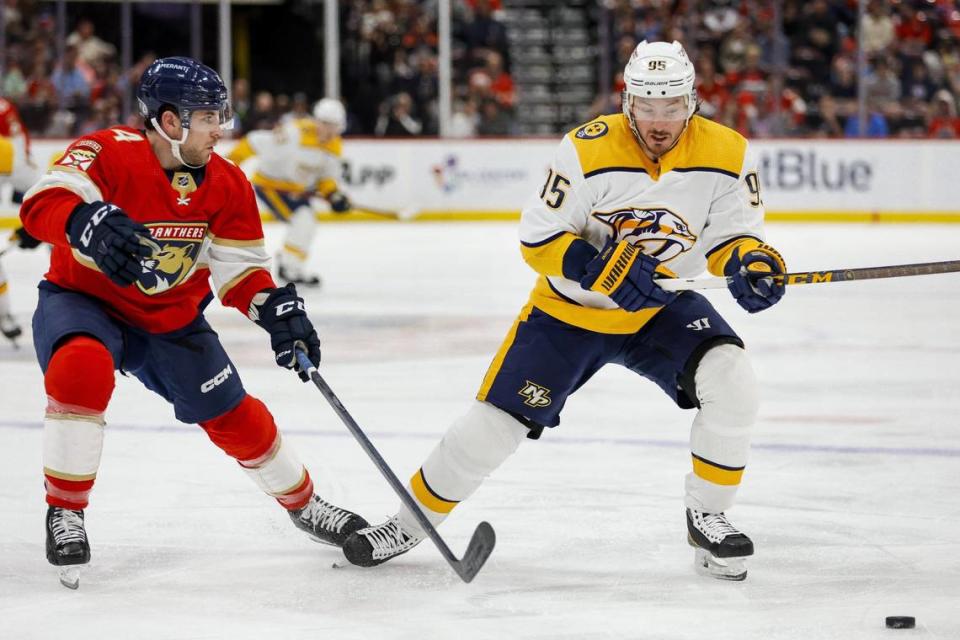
(655,190)
(18,170)
(298,161)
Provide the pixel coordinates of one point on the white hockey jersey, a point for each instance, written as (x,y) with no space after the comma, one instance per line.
(690,210)
(291,158)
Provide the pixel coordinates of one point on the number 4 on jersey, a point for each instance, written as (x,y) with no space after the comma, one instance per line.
(554,190)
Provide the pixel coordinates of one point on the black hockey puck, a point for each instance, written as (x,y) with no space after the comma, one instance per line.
(901,622)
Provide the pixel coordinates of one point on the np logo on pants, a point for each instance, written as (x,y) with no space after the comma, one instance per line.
(535,396)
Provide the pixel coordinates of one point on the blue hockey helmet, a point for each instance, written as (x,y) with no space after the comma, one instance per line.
(186,85)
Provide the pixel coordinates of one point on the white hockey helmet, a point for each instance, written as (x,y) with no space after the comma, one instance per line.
(659,70)
(332,112)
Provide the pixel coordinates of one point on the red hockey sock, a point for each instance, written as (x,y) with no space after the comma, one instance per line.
(79,382)
(248,433)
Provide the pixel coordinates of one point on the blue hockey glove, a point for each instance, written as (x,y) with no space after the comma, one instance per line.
(284,316)
(625,274)
(749,277)
(24,240)
(107,235)
(339,203)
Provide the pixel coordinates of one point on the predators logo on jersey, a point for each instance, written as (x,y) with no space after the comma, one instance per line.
(659,232)
(592,130)
(535,395)
(179,245)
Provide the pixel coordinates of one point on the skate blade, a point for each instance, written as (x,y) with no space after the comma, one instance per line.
(707,564)
(70,577)
(322,541)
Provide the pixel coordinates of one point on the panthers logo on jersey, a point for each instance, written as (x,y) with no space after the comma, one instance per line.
(658,232)
(179,246)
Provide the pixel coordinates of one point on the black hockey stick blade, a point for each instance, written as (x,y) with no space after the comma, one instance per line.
(480,547)
(483,540)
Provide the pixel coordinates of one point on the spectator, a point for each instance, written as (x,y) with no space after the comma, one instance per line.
(90,48)
(827,121)
(943,117)
(263,115)
(876,123)
(464,121)
(494,121)
(878,28)
(73,91)
(397,119)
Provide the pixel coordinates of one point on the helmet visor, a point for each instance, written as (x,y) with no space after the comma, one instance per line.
(206,119)
(657,109)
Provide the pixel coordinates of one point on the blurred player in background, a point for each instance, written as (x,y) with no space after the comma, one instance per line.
(140,221)
(18,170)
(298,161)
(627,196)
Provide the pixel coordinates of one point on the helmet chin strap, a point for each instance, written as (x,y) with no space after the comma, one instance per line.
(175,144)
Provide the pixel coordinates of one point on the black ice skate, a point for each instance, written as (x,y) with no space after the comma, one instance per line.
(9,327)
(67,545)
(326,523)
(720,547)
(375,545)
(299,278)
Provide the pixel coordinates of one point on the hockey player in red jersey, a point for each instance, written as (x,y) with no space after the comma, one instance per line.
(140,221)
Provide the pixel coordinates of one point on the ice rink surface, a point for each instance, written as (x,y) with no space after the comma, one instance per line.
(851,494)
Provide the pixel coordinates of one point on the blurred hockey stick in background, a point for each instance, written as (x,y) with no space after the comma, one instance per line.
(483,540)
(405,213)
(820,277)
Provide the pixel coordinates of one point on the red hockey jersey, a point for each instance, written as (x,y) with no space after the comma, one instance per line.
(11,126)
(208,230)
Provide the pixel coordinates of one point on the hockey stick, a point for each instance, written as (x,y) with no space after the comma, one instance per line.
(820,277)
(404,213)
(484,538)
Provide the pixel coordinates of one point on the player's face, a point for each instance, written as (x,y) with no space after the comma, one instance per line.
(659,121)
(205,132)
(326,131)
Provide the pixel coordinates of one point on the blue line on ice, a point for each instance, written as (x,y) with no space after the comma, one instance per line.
(565,440)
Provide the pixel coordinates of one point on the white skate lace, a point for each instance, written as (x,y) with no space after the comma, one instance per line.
(67,526)
(389,539)
(324,515)
(714,526)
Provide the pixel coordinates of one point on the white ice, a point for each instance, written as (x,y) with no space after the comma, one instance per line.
(851,494)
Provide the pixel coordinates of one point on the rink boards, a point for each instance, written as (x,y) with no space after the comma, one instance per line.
(490,179)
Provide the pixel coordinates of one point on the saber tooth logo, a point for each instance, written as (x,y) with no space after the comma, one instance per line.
(535,395)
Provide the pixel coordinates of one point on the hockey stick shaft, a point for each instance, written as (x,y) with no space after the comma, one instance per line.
(383,213)
(820,277)
(483,540)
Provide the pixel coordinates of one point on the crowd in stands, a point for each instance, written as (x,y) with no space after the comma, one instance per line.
(800,80)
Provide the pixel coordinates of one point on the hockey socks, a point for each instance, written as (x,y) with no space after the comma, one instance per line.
(79,382)
(248,434)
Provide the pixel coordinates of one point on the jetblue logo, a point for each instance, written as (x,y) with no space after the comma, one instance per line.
(216,380)
(535,396)
(699,325)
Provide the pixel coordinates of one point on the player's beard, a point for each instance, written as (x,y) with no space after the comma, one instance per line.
(197,157)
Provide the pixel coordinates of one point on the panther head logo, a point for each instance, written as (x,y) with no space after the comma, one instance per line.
(167,268)
(660,233)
